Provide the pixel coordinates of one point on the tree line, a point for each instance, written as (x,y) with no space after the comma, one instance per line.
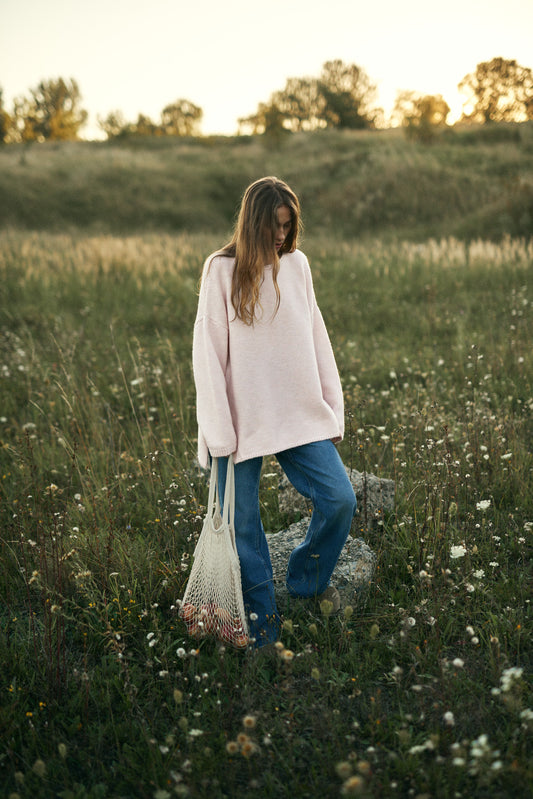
(342,96)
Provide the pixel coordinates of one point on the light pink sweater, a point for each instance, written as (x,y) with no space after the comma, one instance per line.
(270,386)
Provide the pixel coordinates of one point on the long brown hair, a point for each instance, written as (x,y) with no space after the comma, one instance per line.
(252,244)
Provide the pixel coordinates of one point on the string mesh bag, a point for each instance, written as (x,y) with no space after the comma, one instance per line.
(212,604)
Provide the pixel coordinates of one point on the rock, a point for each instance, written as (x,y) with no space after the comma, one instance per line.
(375,496)
(352,575)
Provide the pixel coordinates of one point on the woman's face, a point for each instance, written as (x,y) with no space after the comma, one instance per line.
(283,225)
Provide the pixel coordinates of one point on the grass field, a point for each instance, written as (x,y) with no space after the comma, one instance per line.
(423,692)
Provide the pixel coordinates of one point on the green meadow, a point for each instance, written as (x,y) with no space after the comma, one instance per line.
(422,690)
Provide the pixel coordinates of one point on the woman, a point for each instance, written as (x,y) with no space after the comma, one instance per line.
(267,384)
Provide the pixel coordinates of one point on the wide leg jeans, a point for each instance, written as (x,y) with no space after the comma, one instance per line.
(317,472)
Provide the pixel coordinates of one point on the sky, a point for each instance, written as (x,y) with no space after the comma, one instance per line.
(226,56)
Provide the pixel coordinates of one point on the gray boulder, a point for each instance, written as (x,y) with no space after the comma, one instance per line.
(375,497)
(352,575)
(356,565)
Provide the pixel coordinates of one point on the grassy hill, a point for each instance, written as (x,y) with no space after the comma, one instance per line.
(472,182)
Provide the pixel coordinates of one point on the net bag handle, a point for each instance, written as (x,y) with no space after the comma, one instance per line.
(213,503)
(228,512)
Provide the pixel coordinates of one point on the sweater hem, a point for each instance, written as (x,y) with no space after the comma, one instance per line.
(265,453)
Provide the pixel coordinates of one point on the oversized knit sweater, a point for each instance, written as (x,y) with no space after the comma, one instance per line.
(270,386)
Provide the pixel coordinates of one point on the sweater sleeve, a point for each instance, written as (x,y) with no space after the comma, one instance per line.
(210,357)
(210,365)
(327,367)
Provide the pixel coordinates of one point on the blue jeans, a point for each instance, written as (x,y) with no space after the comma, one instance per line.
(317,472)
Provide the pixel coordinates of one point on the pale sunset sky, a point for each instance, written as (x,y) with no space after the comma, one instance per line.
(137,57)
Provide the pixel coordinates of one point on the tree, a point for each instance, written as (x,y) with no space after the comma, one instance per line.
(114,124)
(268,120)
(422,115)
(52,112)
(348,96)
(256,123)
(145,127)
(181,118)
(498,91)
(6,121)
(342,97)
(300,103)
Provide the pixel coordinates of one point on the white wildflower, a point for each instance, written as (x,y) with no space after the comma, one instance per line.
(457,551)
(527,716)
(509,677)
(480,746)
(426,746)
